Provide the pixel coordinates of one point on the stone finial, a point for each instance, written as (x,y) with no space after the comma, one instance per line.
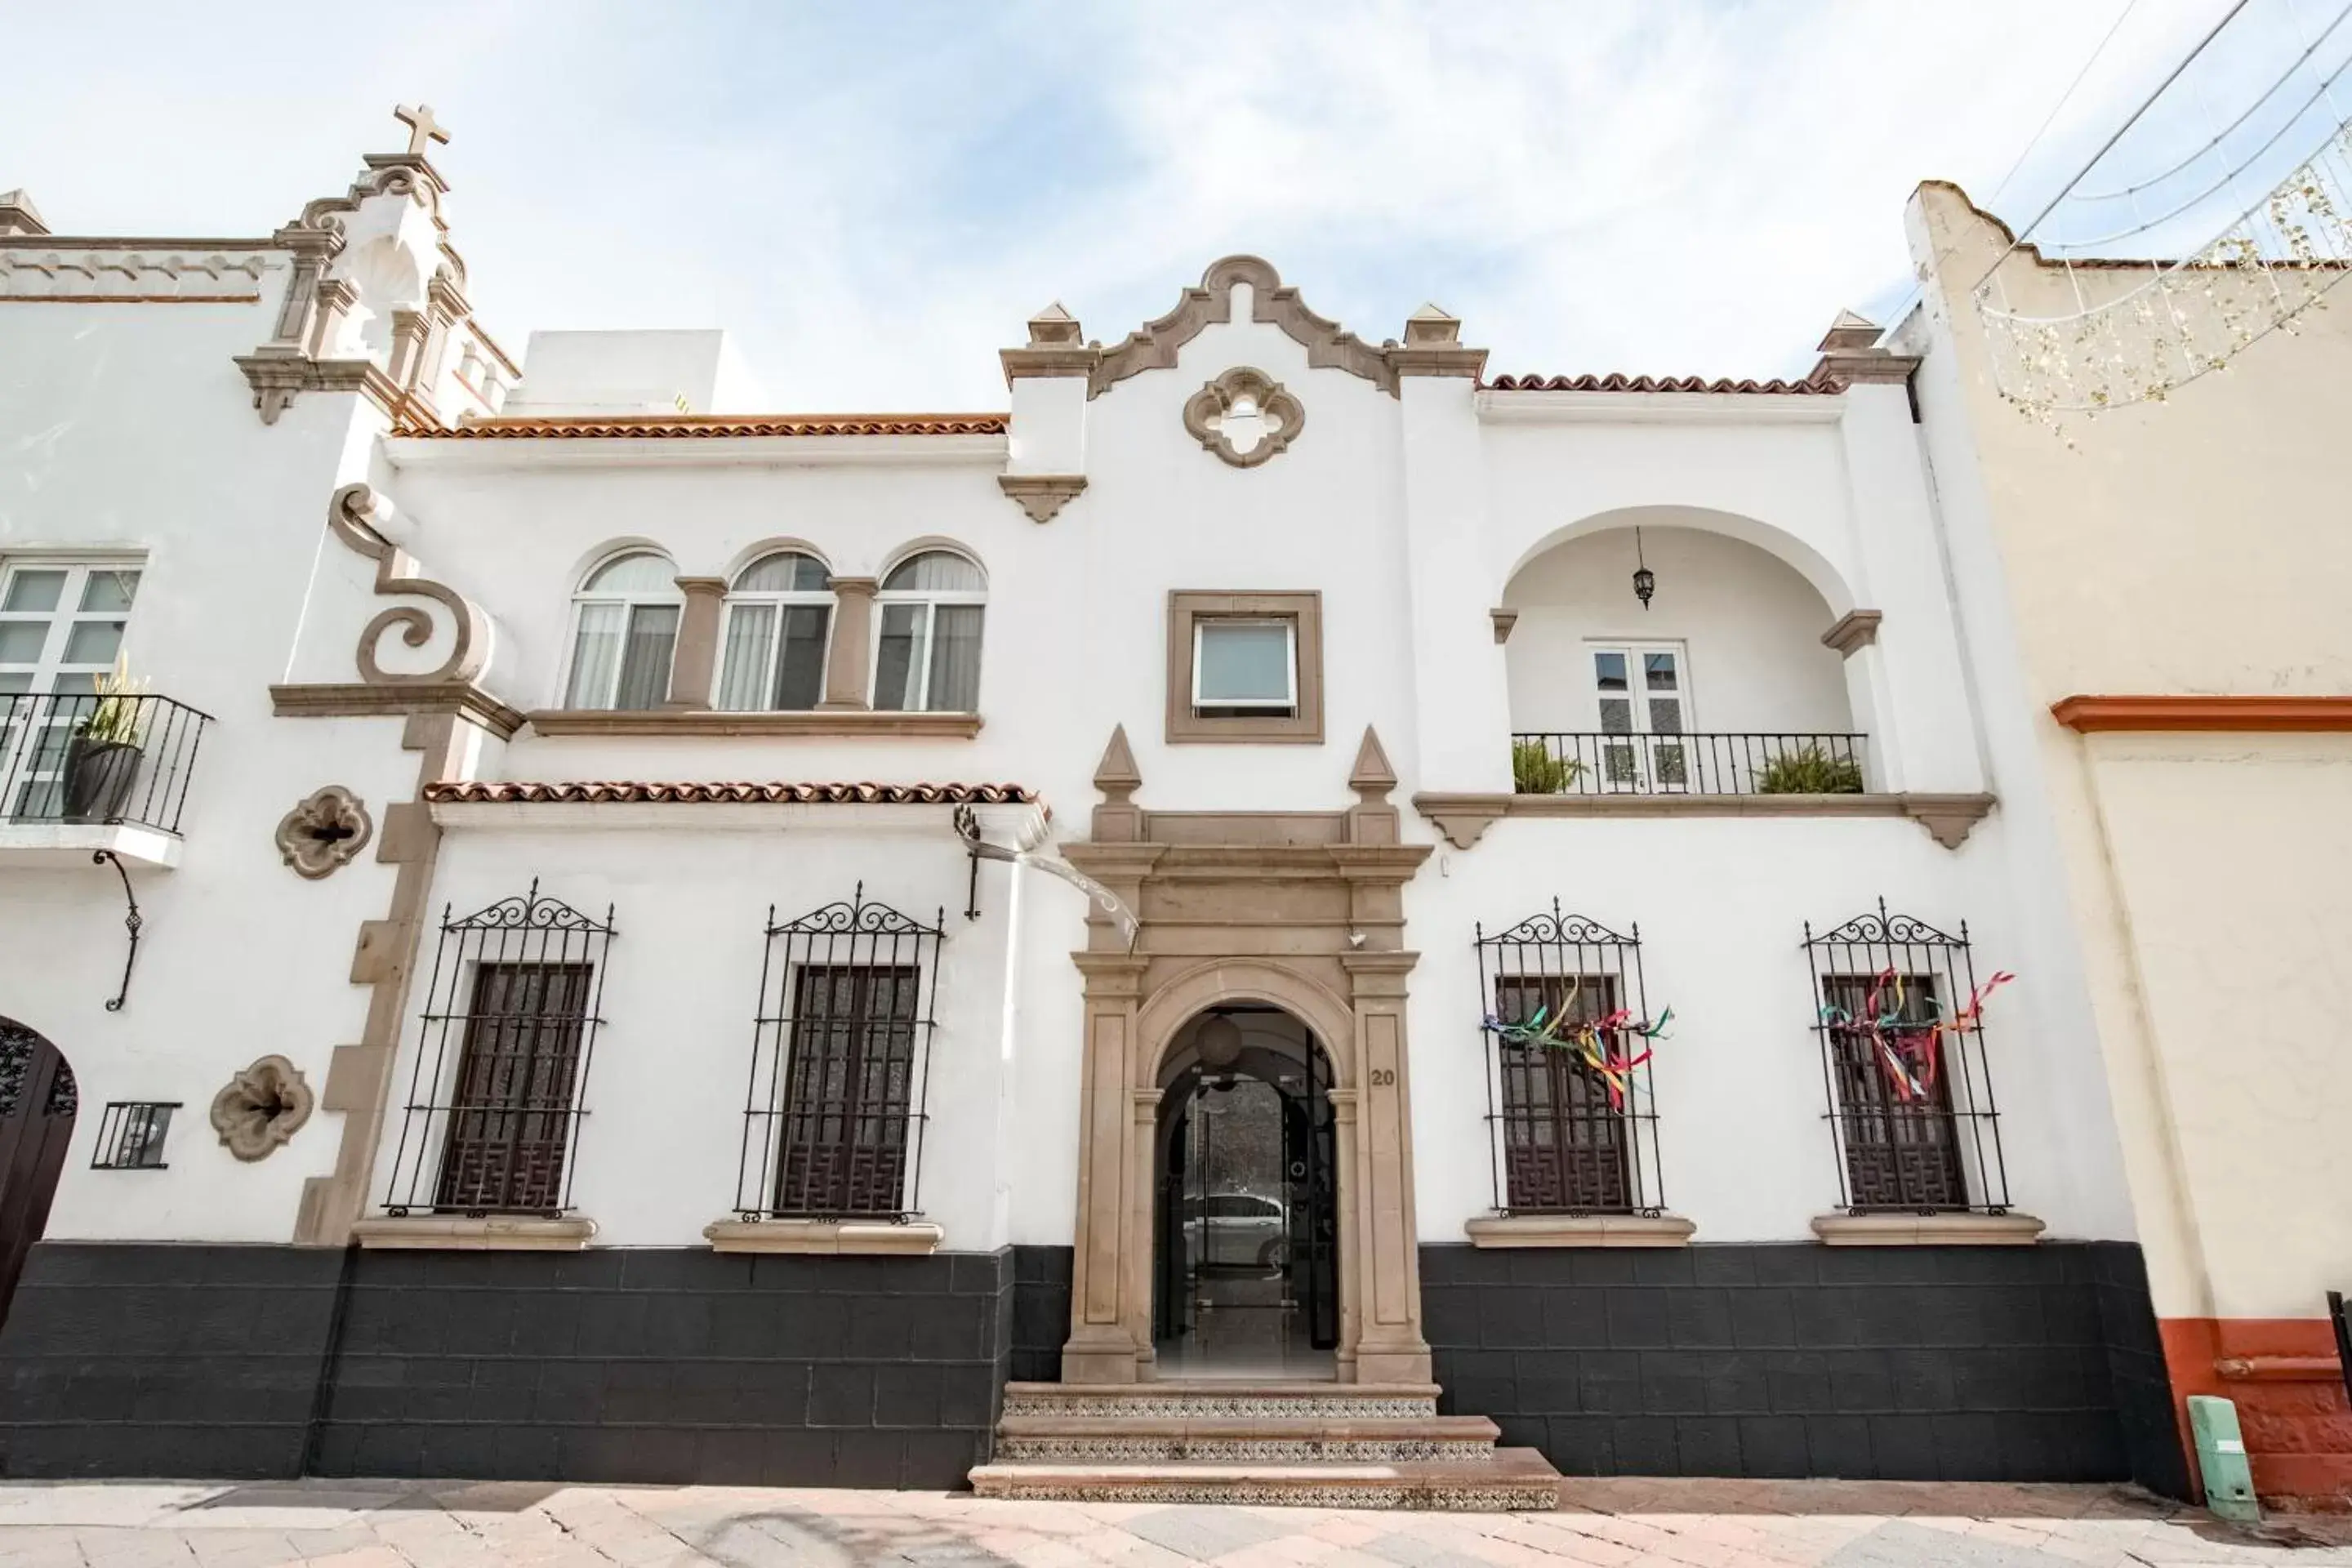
(1433,346)
(18,215)
(1849,354)
(1430,327)
(1054,328)
(1849,333)
(1118,820)
(423,128)
(1056,346)
(1372,820)
(1371,777)
(1116,774)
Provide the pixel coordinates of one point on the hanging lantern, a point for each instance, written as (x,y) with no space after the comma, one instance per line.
(1646,582)
(1219,1042)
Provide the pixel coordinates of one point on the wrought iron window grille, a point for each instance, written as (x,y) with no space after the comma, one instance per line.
(497,1093)
(841,1064)
(1569,1138)
(130,1135)
(1911,1110)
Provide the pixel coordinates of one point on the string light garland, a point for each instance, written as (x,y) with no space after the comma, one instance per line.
(2074,335)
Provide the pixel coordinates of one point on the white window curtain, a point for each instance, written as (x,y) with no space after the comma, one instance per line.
(625,631)
(779,623)
(927,656)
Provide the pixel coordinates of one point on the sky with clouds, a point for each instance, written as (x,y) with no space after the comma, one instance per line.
(873,197)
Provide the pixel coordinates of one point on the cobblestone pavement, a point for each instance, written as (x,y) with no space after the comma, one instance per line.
(1613,1523)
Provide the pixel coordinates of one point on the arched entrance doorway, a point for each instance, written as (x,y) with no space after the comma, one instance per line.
(38,1101)
(1296,913)
(1245,1220)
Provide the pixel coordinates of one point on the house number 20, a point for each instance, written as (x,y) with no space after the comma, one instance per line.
(1384,1077)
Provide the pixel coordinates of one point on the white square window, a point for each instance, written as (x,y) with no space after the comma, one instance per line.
(1244,667)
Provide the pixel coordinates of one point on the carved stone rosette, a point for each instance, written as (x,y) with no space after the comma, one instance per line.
(262,1107)
(327,830)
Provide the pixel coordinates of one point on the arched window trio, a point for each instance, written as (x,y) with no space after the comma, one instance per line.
(779,632)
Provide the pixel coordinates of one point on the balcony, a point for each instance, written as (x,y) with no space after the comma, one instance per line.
(1667,661)
(1591,763)
(83,774)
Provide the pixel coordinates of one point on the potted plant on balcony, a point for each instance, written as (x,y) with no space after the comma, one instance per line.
(1811,770)
(1535,771)
(101,757)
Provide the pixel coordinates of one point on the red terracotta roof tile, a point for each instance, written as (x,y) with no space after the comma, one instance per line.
(586,792)
(706,426)
(1614,381)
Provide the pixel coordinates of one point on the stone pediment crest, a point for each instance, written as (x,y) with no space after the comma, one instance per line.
(1244,417)
(1153,346)
(1057,346)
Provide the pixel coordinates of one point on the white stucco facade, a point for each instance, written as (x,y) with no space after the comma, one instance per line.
(1416,504)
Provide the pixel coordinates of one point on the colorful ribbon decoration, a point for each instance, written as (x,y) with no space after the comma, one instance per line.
(1551,1029)
(1909,1050)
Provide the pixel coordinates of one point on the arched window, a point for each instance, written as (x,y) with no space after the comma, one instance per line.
(624,626)
(779,620)
(928,657)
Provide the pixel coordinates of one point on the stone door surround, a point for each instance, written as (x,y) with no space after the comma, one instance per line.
(1301,911)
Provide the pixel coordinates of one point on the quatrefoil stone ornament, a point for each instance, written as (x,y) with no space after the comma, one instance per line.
(327,830)
(262,1107)
(1244,417)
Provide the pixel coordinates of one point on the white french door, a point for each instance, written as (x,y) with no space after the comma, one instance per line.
(61,625)
(1644,693)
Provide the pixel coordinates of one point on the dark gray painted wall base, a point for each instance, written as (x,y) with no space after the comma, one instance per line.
(646,1365)
(656,1365)
(1914,1363)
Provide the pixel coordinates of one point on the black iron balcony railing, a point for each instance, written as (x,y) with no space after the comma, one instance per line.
(1569,763)
(98,760)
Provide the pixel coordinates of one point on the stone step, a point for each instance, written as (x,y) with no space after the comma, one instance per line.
(1208,1399)
(1514,1480)
(1453,1439)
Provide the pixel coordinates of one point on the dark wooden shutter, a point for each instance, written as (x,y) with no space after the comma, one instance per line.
(1899,1153)
(848,1085)
(1563,1144)
(510,1116)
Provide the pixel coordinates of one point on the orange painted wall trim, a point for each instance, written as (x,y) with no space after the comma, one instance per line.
(2284,1377)
(2089,714)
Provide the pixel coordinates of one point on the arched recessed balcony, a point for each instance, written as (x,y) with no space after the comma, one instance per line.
(1720,684)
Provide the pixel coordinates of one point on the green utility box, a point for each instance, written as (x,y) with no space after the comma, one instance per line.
(2222,1459)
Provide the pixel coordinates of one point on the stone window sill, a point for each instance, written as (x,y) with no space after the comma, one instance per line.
(1580,1230)
(1928,1229)
(488,1233)
(873,1237)
(708,722)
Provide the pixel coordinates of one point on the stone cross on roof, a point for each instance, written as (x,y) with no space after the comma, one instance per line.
(422,127)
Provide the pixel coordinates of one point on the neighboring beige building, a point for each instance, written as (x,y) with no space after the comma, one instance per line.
(2176,577)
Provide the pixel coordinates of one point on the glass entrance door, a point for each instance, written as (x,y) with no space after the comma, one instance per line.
(1246,1238)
